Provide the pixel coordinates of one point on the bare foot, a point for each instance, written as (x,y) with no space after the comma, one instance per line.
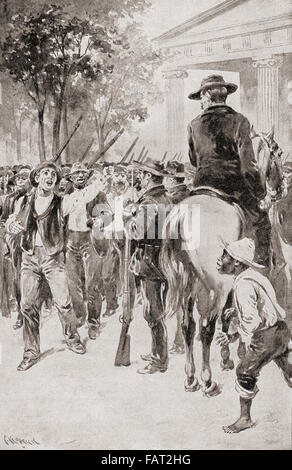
(240,425)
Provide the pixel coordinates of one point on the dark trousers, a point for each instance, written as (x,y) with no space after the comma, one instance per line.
(266,346)
(154,315)
(34,269)
(83,267)
(110,274)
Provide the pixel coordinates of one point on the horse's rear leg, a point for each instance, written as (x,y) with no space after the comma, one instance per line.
(189,329)
(210,388)
(207,304)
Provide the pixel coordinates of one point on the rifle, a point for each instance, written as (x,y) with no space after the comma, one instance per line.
(164,157)
(131,158)
(129,150)
(87,150)
(144,156)
(123,351)
(141,154)
(105,149)
(60,151)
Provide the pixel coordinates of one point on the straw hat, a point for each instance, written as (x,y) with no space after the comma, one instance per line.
(244,251)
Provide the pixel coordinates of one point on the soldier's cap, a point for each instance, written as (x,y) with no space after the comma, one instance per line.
(22,170)
(77,167)
(244,251)
(40,167)
(107,164)
(150,166)
(212,81)
(97,166)
(65,170)
(174,169)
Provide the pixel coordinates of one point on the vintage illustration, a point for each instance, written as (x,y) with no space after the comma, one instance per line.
(146,224)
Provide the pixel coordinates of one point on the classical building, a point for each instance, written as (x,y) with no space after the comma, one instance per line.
(250,37)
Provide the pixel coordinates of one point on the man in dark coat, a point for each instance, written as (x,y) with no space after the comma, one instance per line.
(39,221)
(220,148)
(146,228)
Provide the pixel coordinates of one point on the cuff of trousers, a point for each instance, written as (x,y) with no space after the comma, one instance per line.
(248,394)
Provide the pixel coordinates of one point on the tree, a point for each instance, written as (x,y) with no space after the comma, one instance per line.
(73,49)
(128,85)
(43,51)
(16,110)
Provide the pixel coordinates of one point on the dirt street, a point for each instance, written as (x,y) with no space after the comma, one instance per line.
(68,401)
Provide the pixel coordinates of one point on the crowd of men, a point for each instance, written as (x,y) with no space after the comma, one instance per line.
(54,221)
(50,251)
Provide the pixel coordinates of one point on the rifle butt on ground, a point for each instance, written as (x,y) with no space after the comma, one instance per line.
(123,352)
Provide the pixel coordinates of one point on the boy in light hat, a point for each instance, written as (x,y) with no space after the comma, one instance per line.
(261,325)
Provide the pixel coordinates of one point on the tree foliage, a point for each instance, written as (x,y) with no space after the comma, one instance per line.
(74,55)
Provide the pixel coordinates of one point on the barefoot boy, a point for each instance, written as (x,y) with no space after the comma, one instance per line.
(261,326)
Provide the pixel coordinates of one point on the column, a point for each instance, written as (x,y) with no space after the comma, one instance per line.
(268,92)
(176,129)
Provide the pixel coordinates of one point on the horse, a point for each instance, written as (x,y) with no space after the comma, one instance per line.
(193,235)
(281,220)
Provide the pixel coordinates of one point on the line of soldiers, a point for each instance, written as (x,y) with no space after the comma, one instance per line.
(49,220)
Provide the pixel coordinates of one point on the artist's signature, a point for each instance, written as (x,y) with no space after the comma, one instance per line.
(18,441)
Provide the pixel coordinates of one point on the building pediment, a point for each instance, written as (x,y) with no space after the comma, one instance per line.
(229,18)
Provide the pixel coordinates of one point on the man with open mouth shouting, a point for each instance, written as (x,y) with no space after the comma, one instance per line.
(39,220)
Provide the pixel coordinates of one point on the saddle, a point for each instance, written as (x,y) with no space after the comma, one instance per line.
(209,191)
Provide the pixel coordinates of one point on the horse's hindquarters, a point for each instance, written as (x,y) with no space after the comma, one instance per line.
(214,221)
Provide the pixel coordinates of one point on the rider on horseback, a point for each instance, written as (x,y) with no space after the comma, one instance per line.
(220,148)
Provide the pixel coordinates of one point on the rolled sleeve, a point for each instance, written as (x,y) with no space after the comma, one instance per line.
(246,299)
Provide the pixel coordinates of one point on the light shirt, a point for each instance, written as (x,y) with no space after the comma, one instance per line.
(74,205)
(256,303)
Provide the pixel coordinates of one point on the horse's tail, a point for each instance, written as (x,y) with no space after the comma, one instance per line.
(175,263)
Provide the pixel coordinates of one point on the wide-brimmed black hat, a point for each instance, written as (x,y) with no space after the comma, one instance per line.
(151,166)
(40,167)
(213,81)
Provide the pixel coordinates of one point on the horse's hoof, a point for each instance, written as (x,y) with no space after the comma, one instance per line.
(228,365)
(212,391)
(194,387)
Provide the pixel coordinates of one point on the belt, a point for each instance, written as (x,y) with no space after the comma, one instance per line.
(77,237)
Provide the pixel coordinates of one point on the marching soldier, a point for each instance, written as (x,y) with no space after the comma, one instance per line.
(82,262)
(39,221)
(13,251)
(174,181)
(146,229)
(65,185)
